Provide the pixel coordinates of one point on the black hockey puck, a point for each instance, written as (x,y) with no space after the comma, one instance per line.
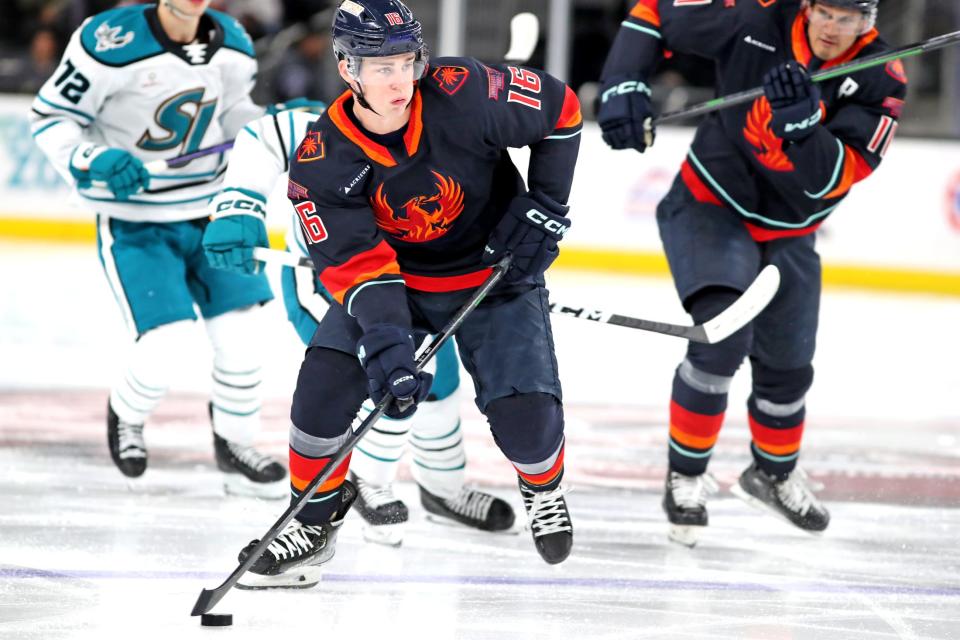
(216,619)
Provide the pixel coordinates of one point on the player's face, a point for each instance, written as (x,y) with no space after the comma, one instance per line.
(194,8)
(833,30)
(388,82)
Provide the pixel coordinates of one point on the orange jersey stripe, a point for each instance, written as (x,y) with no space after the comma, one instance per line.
(303,470)
(761,234)
(411,139)
(376,152)
(647,11)
(695,442)
(696,186)
(570,115)
(855,169)
(365,266)
(439,284)
(547,476)
(694,424)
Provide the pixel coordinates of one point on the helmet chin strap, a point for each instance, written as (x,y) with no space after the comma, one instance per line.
(176,12)
(360,98)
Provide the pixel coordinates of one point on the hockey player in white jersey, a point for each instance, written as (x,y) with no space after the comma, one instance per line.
(261,155)
(136,84)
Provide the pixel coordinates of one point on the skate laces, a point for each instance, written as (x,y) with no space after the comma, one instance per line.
(794,492)
(470,503)
(691,492)
(546,511)
(130,440)
(294,540)
(374,496)
(249,456)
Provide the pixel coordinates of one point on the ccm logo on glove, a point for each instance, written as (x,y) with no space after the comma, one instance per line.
(538,218)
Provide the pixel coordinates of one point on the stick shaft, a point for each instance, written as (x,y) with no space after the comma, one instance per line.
(853,66)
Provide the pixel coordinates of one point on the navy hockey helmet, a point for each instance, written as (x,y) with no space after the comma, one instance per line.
(377,28)
(867,7)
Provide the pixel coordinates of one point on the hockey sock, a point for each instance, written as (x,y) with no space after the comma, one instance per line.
(309,456)
(236,374)
(528,428)
(697,408)
(439,459)
(150,365)
(378,453)
(542,476)
(776,431)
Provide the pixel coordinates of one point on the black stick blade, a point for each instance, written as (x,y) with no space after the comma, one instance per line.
(207,600)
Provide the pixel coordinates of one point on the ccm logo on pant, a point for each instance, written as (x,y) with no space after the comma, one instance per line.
(553,226)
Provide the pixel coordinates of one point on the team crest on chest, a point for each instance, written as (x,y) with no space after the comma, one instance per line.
(420,218)
(451,79)
(311,148)
(768,148)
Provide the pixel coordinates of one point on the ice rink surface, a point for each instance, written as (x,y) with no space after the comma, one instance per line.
(85,554)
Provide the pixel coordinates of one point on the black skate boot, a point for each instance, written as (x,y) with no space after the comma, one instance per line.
(293,560)
(384,515)
(127,448)
(470,507)
(790,498)
(246,471)
(685,503)
(549,521)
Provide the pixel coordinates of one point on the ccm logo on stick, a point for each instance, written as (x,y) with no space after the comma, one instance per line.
(553,226)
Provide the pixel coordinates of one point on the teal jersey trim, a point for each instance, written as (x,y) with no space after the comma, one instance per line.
(119,37)
(293,149)
(247,128)
(147,203)
(749,214)
(655,34)
(45,127)
(234,35)
(184,176)
(67,109)
(836,174)
(256,195)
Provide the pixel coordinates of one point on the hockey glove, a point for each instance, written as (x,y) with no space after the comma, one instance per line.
(795,101)
(386,352)
(530,230)
(236,228)
(297,104)
(625,114)
(123,173)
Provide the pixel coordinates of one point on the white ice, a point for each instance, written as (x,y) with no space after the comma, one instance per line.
(85,554)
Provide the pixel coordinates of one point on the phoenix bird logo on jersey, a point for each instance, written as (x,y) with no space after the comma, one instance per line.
(451,79)
(769,148)
(311,148)
(109,37)
(421,218)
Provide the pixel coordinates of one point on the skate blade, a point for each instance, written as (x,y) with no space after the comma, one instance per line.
(760,505)
(302,578)
(235,484)
(686,535)
(389,535)
(435,518)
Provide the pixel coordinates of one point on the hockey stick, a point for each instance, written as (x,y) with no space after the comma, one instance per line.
(524,33)
(210,597)
(757,296)
(908,51)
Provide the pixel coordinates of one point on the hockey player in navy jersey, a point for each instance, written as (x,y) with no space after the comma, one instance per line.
(406,194)
(757,182)
(148,82)
(261,157)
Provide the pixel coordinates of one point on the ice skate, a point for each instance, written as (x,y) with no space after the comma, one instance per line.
(127,448)
(791,498)
(384,515)
(247,472)
(549,522)
(685,503)
(470,507)
(293,560)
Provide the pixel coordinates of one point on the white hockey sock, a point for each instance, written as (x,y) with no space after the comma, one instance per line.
(236,374)
(439,459)
(150,364)
(377,457)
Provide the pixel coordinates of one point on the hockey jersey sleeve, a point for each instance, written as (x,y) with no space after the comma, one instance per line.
(851,143)
(654,27)
(533,109)
(239,77)
(68,103)
(353,260)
